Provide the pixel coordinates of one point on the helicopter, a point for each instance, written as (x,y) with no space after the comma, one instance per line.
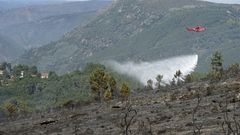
(196,29)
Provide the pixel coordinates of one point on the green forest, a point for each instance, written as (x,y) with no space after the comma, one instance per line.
(24,89)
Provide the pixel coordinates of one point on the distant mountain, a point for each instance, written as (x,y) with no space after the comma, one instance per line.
(146,30)
(8,49)
(37,12)
(37,25)
(6,5)
(11,4)
(37,33)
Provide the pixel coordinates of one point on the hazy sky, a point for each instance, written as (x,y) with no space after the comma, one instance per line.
(225,1)
(40,0)
(216,1)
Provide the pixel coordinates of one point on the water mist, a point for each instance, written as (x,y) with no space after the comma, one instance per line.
(149,70)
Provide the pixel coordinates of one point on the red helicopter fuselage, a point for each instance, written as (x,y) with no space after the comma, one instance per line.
(196,29)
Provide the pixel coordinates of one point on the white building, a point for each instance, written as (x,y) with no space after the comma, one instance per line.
(1,72)
(22,74)
(44,75)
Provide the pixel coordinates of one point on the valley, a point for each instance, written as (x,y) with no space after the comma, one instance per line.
(32,26)
(121,67)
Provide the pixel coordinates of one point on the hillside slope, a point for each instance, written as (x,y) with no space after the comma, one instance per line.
(144,31)
(162,113)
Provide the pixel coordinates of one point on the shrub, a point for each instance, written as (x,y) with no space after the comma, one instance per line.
(233,70)
(189,78)
(10,108)
(14,106)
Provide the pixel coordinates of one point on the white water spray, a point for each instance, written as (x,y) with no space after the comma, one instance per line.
(149,70)
(224,1)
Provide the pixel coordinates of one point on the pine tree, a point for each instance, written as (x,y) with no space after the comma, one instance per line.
(99,83)
(217,65)
(124,91)
(113,86)
(159,81)
(102,83)
(178,77)
(173,82)
(150,84)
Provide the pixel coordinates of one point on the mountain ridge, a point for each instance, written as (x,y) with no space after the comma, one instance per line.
(143,31)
